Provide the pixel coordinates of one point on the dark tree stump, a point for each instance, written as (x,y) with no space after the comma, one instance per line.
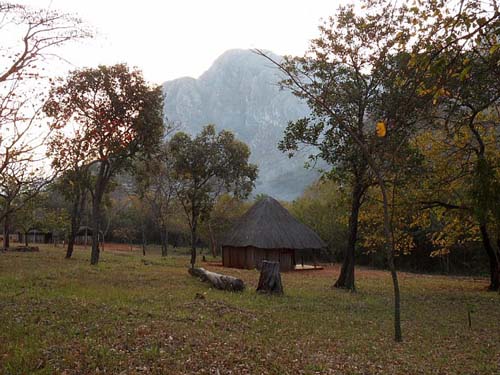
(217,280)
(270,278)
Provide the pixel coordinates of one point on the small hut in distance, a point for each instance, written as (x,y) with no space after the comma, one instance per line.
(267,231)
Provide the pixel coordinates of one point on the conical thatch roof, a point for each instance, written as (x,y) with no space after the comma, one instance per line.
(268,225)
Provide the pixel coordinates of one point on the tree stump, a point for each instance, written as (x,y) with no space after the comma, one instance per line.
(270,278)
(218,281)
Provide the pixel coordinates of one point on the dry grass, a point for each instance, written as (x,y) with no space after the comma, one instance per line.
(134,314)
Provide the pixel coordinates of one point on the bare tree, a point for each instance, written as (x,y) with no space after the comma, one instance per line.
(30,39)
(20,182)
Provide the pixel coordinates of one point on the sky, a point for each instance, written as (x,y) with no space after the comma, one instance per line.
(171,39)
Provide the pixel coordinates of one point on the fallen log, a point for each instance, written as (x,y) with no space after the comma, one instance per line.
(218,281)
(270,278)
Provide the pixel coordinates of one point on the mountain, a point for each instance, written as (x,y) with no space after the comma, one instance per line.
(240,92)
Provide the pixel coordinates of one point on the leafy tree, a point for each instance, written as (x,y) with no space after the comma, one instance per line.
(205,167)
(43,212)
(20,182)
(323,207)
(28,217)
(462,60)
(118,117)
(472,105)
(382,68)
(354,77)
(155,184)
(460,190)
(73,185)
(225,211)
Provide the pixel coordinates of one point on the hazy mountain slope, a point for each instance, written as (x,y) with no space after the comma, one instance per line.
(239,92)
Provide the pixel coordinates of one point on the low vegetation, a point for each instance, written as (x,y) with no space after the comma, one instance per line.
(135,314)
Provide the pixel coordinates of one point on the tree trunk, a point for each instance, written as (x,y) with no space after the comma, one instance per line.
(493,259)
(270,278)
(143,230)
(346,277)
(71,246)
(389,244)
(498,262)
(164,240)
(26,239)
(6,231)
(213,242)
(102,179)
(86,235)
(193,245)
(75,224)
(94,255)
(217,280)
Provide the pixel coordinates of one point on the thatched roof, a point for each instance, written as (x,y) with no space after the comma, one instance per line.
(268,225)
(84,230)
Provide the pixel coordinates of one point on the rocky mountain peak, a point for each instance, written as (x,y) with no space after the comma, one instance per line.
(240,92)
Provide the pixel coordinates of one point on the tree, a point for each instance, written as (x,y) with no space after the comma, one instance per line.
(43,212)
(323,207)
(353,78)
(362,93)
(28,218)
(463,62)
(20,182)
(156,185)
(225,211)
(73,185)
(118,117)
(30,39)
(205,167)
(398,57)
(473,105)
(461,188)
(349,166)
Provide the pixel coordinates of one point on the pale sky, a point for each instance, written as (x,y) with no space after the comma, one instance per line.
(170,39)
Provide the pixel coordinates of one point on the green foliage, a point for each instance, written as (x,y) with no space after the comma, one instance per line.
(226,211)
(484,190)
(208,165)
(205,167)
(324,207)
(41,214)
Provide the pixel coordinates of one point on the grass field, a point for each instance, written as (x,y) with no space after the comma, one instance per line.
(134,314)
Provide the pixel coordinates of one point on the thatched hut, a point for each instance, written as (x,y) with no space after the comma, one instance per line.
(34,236)
(84,236)
(267,231)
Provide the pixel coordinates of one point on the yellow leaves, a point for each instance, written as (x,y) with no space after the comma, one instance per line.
(465,73)
(439,253)
(404,243)
(371,225)
(452,229)
(424,91)
(381,129)
(439,93)
(494,48)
